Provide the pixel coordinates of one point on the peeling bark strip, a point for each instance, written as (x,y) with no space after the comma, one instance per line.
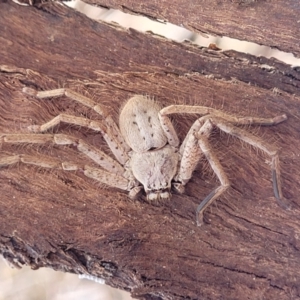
(270,23)
(248,247)
(103,49)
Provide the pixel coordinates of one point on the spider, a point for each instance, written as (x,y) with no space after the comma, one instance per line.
(147,151)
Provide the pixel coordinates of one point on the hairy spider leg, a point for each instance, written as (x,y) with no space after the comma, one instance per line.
(225,122)
(107,127)
(111,179)
(90,151)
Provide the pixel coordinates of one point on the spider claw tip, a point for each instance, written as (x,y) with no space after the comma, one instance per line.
(29,91)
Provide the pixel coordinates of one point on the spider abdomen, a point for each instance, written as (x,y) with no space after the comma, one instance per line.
(140,125)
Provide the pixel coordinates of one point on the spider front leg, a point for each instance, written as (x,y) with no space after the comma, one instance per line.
(203,110)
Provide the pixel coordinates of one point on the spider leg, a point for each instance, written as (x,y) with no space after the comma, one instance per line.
(200,132)
(92,152)
(168,129)
(111,179)
(203,110)
(116,148)
(85,101)
(196,143)
(257,143)
(107,127)
(217,168)
(190,155)
(224,122)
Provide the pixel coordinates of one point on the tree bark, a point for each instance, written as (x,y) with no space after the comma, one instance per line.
(265,22)
(248,247)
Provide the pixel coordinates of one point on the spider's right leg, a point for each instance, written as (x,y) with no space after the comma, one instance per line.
(168,129)
(204,110)
(190,155)
(85,101)
(109,130)
(171,134)
(196,143)
(90,151)
(217,168)
(260,144)
(119,152)
(110,179)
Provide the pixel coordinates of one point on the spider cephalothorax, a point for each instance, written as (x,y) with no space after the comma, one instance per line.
(146,147)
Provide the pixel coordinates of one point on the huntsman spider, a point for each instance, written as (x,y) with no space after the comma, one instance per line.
(147,153)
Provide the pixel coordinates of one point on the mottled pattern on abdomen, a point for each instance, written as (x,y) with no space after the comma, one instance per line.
(140,125)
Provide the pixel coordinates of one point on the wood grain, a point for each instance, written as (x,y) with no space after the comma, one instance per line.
(248,247)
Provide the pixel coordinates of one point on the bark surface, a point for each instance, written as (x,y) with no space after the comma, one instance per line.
(248,247)
(273,23)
